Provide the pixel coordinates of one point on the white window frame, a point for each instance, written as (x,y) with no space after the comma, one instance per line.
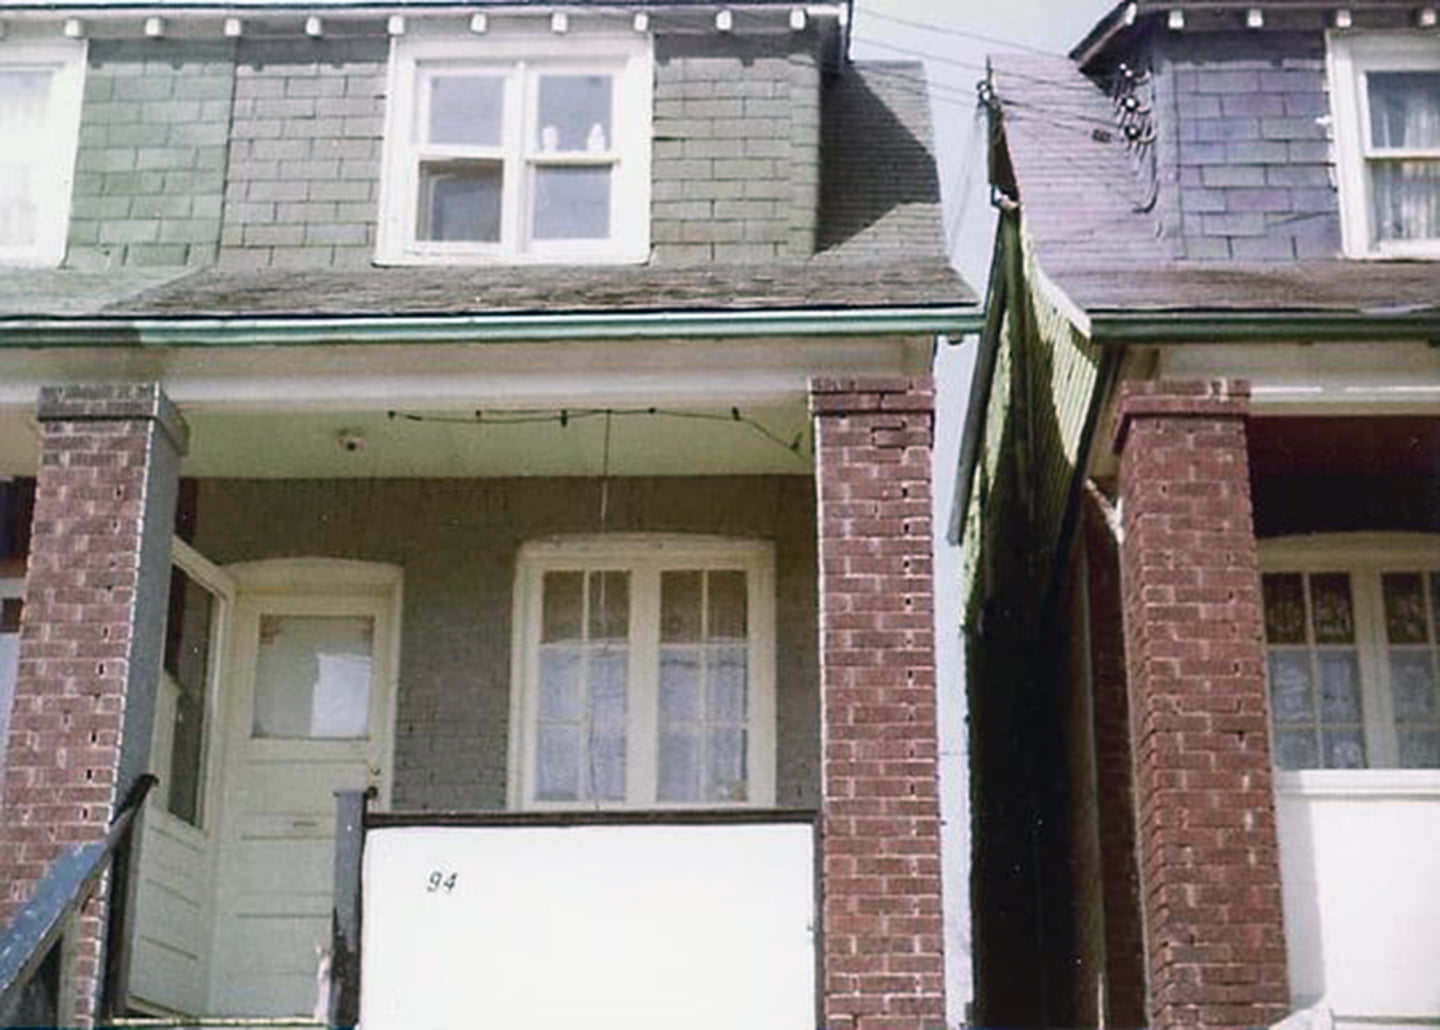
(520,56)
(644,556)
(1365,557)
(1352,55)
(65,58)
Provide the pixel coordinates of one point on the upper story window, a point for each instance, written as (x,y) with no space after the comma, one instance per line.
(643,674)
(517,148)
(1352,627)
(40,88)
(1386,92)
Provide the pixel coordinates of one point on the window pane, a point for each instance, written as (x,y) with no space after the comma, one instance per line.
(557,763)
(679,685)
(1412,686)
(1333,616)
(24,101)
(609,605)
(1296,749)
(467,109)
(460,200)
(727,605)
(679,767)
(609,671)
(188,625)
(1290,694)
(560,683)
(1405,196)
(680,606)
(1404,109)
(1344,749)
(607,768)
(561,607)
(725,765)
(574,113)
(1339,686)
(312,676)
(572,203)
(1284,608)
(725,686)
(1404,607)
(1419,749)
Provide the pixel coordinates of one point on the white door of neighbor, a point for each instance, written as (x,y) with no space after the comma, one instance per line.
(311,691)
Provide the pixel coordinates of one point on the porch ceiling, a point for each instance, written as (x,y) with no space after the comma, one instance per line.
(676,440)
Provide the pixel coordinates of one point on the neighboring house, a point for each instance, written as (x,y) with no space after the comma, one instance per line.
(520,411)
(1199,505)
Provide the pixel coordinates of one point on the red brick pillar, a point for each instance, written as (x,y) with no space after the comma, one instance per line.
(883,961)
(1194,642)
(90,637)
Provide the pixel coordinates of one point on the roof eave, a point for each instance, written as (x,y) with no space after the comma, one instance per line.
(291,330)
(1120,326)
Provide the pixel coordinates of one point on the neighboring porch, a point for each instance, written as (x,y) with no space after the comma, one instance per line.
(560,610)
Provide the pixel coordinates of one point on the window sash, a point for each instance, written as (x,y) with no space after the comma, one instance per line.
(645,565)
(613,232)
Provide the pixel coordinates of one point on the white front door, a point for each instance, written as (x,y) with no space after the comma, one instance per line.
(311,689)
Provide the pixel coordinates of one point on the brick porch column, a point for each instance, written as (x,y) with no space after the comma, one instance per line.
(90,638)
(1195,654)
(883,962)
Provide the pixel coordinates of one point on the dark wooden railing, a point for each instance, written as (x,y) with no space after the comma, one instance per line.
(29,955)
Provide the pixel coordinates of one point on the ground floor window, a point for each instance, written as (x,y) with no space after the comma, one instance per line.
(1352,626)
(643,673)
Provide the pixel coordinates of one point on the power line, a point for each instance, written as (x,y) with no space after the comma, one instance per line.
(962,34)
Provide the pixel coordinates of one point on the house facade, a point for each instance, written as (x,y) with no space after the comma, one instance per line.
(1197,504)
(518,415)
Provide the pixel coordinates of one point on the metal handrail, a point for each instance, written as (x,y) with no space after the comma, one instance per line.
(67,885)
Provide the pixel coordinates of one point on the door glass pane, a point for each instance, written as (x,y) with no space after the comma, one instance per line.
(679,766)
(609,605)
(561,611)
(467,109)
(557,763)
(24,101)
(460,201)
(680,600)
(1412,687)
(313,675)
(574,114)
(679,685)
(727,605)
(1339,686)
(189,628)
(725,765)
(1290,693)
(572,203)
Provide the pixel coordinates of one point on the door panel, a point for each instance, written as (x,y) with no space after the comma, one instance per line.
(312,682)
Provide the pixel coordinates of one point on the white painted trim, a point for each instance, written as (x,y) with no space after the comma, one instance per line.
(65,58)
(519,56)
(644,555)
(1350,55)
(308,576)
(1359,783)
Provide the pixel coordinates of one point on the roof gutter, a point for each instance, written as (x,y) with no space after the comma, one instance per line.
(294,331)
(1125,327)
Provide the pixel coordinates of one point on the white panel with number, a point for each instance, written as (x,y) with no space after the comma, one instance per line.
(620,927)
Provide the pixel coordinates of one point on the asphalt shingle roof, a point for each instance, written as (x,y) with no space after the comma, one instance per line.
(1080,208)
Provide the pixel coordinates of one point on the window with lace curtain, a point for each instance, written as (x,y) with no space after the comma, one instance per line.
(1352,632)
(643,673)
(1385,87)
(40,87)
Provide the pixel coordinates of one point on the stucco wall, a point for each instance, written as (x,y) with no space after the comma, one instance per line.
(457,540)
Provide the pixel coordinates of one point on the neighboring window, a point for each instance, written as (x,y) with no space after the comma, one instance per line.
(40,88)
(644,673)
(11,606)
(1353,641)
(1386,90)
(517,148)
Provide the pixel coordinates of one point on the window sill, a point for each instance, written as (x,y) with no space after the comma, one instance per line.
(1359,783)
